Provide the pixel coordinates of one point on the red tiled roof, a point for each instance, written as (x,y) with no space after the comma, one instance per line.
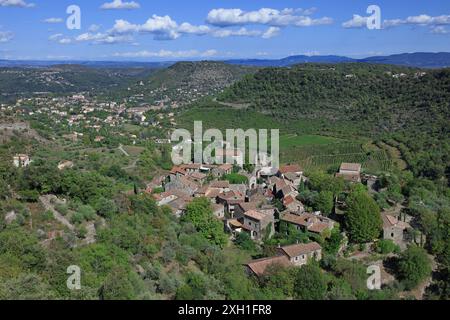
(260,266)
(290,168)
(301,249)
(220,184)
(313,223)
(254,215)
(351,166)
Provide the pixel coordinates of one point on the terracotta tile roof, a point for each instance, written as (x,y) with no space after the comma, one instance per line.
(288,200)
(247,206)
(351,166)
(198,175)
(254,215)
(231,195)
(260,266)
(290,168)
(235,223)
(301,249)
(176,170)
(212,193)
(391,221)
(312,222)
(220,184)
(226,167)
(319,227)
(191,166)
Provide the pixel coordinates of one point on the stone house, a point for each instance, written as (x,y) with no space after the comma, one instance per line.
(350,172)
(258,224)
(21,160)
(296,255)
(395,230)
(308,222)
(301,254)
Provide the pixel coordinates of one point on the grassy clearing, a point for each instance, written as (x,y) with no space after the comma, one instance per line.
(287,141)
(327,156)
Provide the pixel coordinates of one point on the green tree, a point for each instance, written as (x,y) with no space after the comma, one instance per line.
(310,283)
(324,202)
(363,219)
(117,286)
(4,190)
(413,266)
(199,213)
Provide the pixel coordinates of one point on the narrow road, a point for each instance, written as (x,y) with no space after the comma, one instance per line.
(46,202)
(121,149)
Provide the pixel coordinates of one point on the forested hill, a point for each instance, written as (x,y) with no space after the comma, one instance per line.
(65,79)
(405,104)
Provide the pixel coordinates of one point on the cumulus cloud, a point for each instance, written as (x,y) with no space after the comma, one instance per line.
(271,32)
(118,4)
(94,38)
(103,38)
(54,20)
(168,54)
(55,37)
(165,28)
(356,22)
(16,3)
(265,16)
(243,32)
(6,36)
(420,20)
(440,30)
(65,41)
(94,28)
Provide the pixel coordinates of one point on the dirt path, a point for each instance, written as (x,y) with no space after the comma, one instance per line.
(46,202)
(233,105)
(121,149)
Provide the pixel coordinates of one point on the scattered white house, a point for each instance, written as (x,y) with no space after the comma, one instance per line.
(21,160)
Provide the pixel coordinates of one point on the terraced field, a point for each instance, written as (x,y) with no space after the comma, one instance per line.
(324,157)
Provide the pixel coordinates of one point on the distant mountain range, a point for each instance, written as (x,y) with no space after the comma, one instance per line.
(92,64)
(418,60)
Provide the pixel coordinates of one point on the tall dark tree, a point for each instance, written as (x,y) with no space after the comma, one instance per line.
(363,219)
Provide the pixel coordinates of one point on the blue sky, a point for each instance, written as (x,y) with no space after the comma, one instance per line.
(153,30)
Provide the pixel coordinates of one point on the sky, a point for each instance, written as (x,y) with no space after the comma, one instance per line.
(157,30)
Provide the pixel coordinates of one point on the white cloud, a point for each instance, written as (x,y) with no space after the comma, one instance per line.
(54,20)
(6,36)
(421,20)
(103,38)
(190,29)
(356,22)
(65,41)
(94,28)
(243,32)
(118,4)
(165,28)
(94,38)
(440,30)
(55,37)
(265,16)
(168,54)
(16,3)
(271,32)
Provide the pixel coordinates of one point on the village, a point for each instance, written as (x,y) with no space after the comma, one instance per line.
(268,200)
